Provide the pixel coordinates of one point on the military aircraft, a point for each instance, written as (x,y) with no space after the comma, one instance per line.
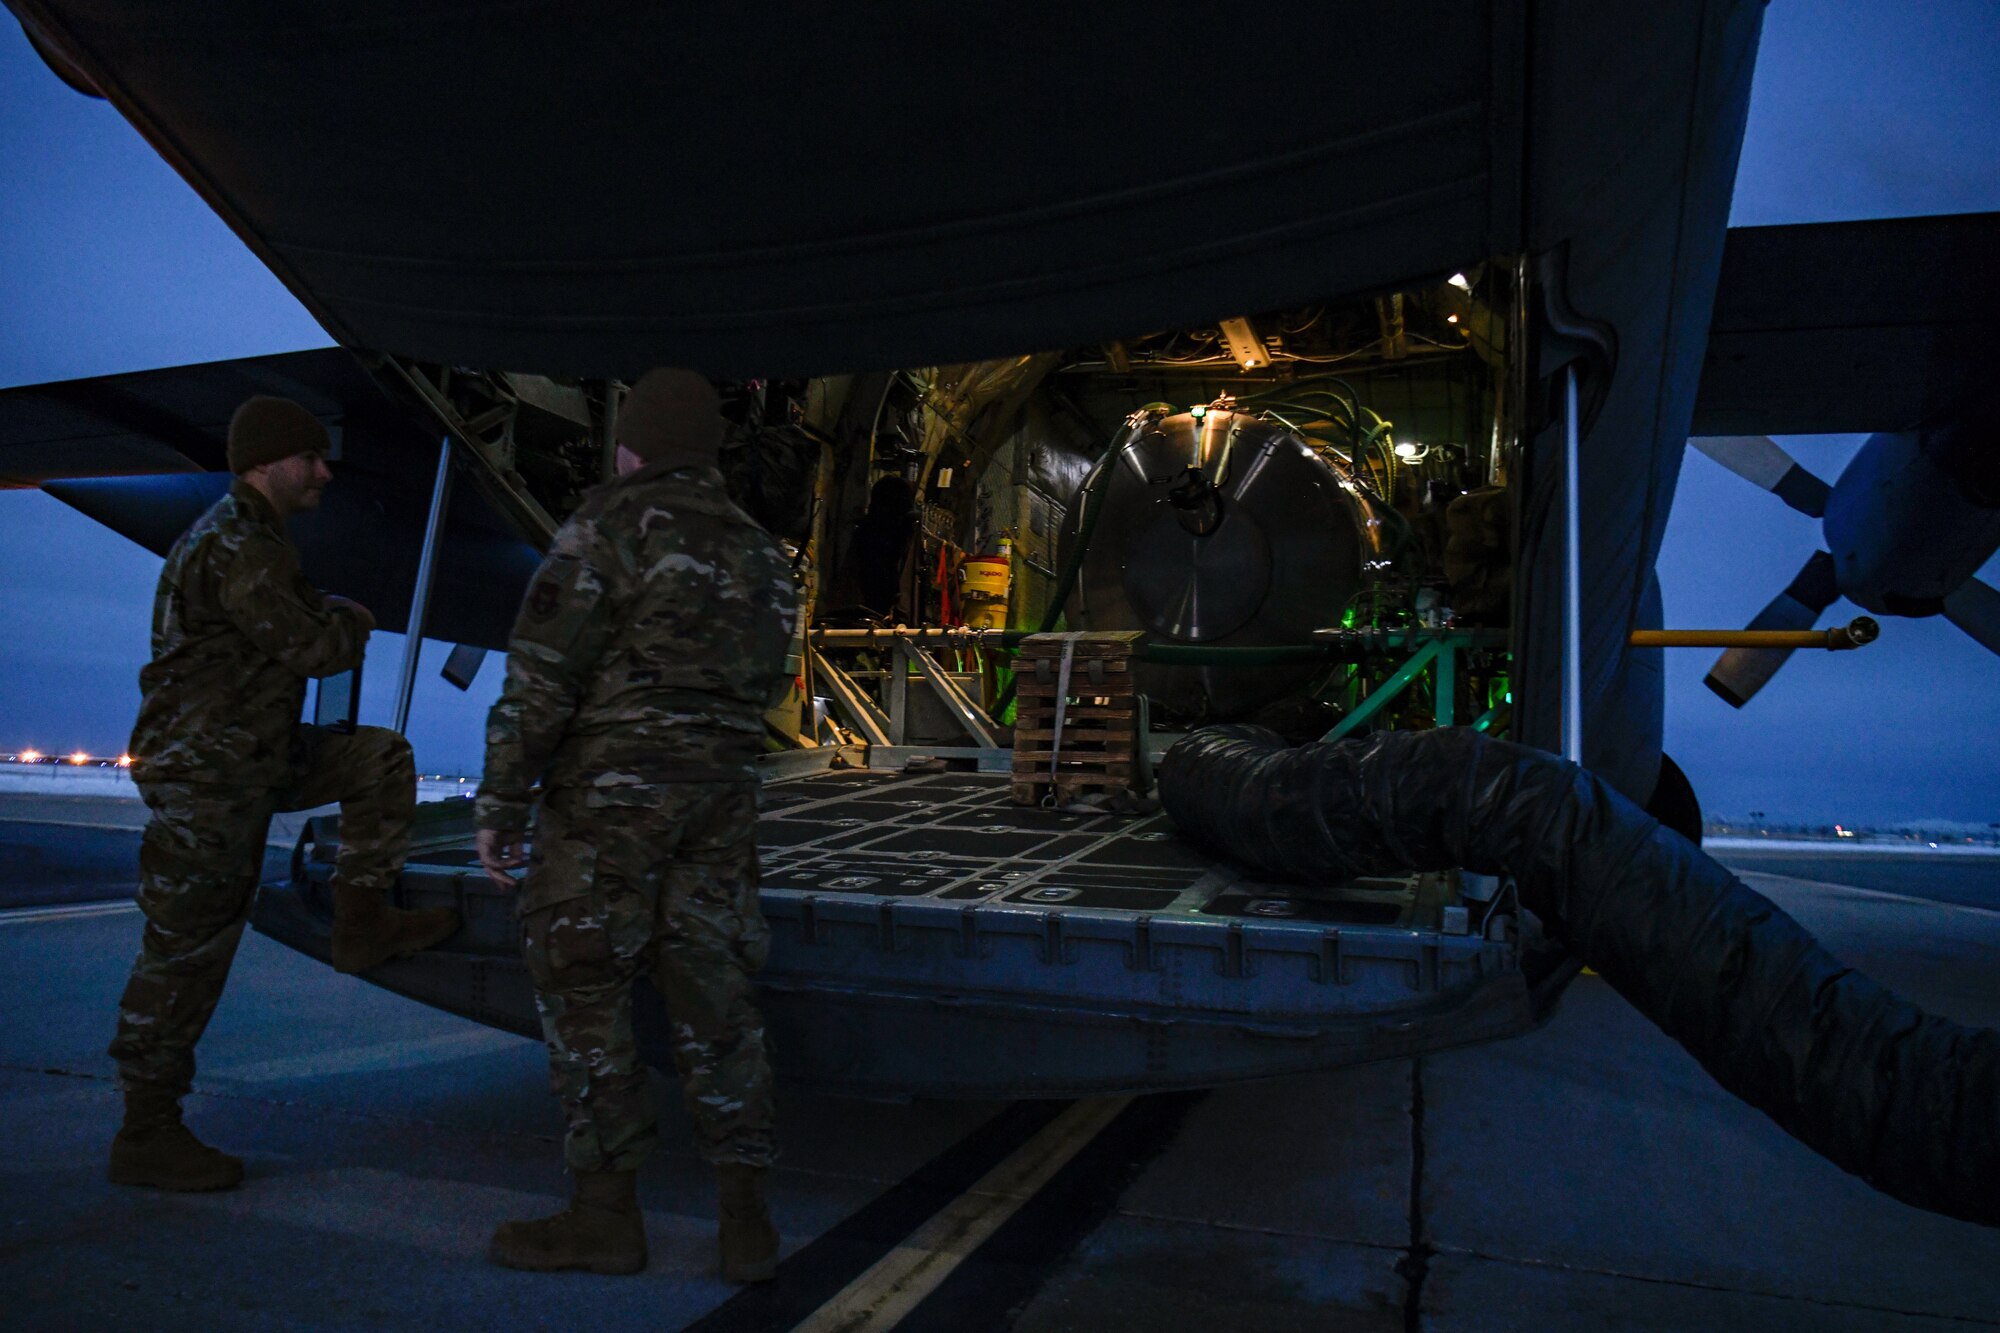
(1369,360)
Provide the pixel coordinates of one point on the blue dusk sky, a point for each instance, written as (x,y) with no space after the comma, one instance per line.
(109,263)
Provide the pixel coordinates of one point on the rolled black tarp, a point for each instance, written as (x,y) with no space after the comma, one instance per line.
(1906,1100)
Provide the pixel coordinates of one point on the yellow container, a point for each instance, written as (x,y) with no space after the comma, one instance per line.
(985,614)
(985,576)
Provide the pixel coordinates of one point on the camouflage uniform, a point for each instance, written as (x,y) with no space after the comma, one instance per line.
(218,749)
(645,653)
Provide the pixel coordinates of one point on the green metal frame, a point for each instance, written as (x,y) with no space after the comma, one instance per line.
(1439,650)
(1435,650)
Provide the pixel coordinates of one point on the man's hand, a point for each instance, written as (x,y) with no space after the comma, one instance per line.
(367,616)
(500,851)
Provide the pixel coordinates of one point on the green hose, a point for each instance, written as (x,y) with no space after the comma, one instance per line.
(1197,654)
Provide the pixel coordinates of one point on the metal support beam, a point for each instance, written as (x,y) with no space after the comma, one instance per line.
(1444,687)
(969,714)
(853,701)
(896,695)
(948,636)
(606,432)
(534,521)
(1389,689)
(1327,645)
(420,600)
(1572,607)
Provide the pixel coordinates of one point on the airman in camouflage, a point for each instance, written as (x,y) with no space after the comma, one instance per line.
(646,651)
(218,749)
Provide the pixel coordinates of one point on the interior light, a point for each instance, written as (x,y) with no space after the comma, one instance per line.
(1451,319)
(1406,449)
(1459,281)
(1245,344)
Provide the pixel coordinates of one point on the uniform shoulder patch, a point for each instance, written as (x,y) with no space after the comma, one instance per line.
(560,602)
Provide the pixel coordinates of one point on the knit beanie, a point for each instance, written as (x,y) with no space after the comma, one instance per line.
(672,414)
(266,429)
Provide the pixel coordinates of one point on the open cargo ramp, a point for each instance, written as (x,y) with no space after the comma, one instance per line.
(930,938)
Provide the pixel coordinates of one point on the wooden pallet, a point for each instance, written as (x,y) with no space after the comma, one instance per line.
(1098,750)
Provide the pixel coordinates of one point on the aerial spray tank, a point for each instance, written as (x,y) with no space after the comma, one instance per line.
(1221,528)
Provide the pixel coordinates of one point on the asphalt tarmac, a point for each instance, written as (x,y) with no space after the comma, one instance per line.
(1968,880)
(1589,1175)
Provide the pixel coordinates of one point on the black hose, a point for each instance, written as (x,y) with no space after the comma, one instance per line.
(1908,1101)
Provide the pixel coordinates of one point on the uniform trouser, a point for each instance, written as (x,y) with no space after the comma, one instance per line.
(199,864)
(663,882)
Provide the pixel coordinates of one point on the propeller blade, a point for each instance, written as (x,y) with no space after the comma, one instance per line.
(1759,461)
(1975,608)
(1741,672)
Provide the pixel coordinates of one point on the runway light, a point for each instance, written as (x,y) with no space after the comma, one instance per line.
(1459,281)
(79,758)
(31,756)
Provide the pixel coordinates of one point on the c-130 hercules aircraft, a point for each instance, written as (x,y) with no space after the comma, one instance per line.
(1354,378)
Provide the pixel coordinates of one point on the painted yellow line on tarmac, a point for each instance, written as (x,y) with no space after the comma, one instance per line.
(884,1295)
(30,916)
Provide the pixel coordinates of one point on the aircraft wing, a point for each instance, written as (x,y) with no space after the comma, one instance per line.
(143,454)
(1849,326)
(176,419)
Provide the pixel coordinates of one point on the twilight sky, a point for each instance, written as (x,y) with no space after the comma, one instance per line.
(1864,109)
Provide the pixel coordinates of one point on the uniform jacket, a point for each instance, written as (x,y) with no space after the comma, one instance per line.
(237,630)
(648,646)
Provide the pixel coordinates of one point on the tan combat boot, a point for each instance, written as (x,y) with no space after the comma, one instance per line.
(600,1232)
(748,1241)
(155,1149)
(367,931)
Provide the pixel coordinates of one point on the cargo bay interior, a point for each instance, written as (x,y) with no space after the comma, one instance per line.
(1296,519)
(1243,485)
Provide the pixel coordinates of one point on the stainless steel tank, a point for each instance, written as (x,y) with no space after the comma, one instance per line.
(1224,529)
